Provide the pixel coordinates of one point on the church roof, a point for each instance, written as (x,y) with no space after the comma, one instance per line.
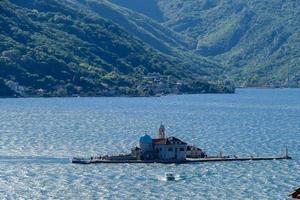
(169,140)
(146,139)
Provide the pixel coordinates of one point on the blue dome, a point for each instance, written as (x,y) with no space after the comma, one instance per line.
(146,139)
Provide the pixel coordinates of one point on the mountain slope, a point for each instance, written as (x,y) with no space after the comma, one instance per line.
(258,40)
(53,48)
(155,35)
(149,8)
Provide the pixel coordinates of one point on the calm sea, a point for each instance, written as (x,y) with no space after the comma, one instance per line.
(39,135)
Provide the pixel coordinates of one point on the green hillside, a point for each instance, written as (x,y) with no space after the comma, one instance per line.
(155,35)
(66,48)
(257,40)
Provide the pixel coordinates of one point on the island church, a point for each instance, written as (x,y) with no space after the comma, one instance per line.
(164,148)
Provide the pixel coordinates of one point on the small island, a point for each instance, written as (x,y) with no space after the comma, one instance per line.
(167,150)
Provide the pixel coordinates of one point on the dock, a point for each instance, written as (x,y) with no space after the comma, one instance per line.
(187,161)
(238,159)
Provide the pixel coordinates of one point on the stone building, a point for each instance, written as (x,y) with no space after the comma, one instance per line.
(161,148)
(194,152)
(170,148)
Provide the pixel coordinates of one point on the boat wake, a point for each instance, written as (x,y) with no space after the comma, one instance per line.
(34,160)
(164,178)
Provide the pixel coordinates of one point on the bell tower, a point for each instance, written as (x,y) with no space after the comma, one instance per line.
(161,132)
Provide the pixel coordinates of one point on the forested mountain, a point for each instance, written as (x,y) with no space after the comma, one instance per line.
(256,40)
(154,34)
(91,48)
(149,47)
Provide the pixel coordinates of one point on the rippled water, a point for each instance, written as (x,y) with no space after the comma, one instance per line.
(37,136)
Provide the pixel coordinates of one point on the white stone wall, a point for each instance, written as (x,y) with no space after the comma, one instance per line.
(165,154)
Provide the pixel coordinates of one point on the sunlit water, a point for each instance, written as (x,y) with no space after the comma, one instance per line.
(37,136)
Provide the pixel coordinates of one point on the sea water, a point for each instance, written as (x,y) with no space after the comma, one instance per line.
(39,135)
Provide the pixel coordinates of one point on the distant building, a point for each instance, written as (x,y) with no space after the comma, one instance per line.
(157,77)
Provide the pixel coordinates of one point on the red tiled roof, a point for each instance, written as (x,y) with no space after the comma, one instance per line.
(159,141)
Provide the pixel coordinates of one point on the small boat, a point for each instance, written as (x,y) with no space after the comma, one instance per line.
(79,160)
(170,176)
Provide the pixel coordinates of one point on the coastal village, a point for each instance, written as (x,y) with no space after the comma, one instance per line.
(159,84)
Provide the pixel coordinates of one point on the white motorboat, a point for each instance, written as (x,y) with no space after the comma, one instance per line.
(170,176)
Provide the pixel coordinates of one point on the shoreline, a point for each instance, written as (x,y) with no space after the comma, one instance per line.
(113,96)
(147,96)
